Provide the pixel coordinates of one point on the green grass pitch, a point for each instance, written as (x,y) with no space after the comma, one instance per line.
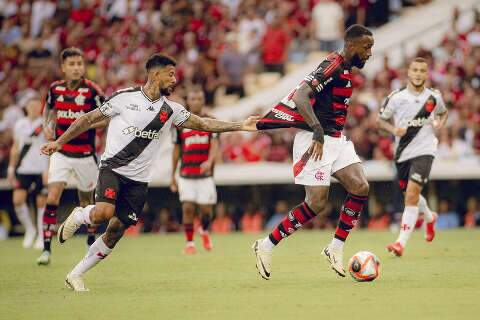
(147,277)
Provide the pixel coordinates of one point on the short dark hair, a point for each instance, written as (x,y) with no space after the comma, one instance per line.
(356,31)
(159,60)
(419,59)
(70,52)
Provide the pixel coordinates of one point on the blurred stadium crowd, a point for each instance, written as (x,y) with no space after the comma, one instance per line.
(219,44)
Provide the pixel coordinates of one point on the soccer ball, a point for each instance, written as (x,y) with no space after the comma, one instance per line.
(364,266)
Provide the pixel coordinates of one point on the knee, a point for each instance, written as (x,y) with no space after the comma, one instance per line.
(316,203)
(411,198)
(101,213)
(360,187)
(53,197)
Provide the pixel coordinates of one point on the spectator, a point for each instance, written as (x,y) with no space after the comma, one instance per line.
(472,216)
(328,25)
(281,210)
(379,217)
(447,219)
(222,223)
(252,220)
(231,68)
(275,46)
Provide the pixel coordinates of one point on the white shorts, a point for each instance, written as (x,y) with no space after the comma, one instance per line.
(338,153)
(200,191)
(83,170)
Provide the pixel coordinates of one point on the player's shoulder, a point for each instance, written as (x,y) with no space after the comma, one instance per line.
(173,104)
(434,92)
(397,93)
(93,85)
(123,92)
(20,123)
(57,83)
(331,63)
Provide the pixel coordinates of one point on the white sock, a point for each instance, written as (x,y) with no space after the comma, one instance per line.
(83,216)
(190,244)
(267,244)
(423,207)
(40,222)
(24,217)
(409,219)
(96,253)
(337,244)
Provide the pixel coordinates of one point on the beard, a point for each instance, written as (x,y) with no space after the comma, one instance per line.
(166,91)
(421,84)
(357,62)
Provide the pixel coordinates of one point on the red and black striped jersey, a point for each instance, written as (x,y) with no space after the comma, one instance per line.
(194,149)
(70,105)
(331,83)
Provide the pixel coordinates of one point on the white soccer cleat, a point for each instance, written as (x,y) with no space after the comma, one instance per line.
(264,260)
(76,283)
(335,258)
(69,226)
(28,239)
(44,259)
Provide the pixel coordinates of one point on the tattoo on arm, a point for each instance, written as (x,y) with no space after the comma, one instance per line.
(301,98)
(80,125)
(212,125)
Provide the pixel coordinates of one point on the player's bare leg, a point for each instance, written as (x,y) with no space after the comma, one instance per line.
(98,251)
(86,198)
(315,200)
(206,212)
(23,215)
(41,201)
(55,190)
(188,209)
(354,181)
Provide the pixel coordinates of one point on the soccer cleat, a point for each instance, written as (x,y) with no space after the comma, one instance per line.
(189,249)
(76,283)
(430,228)
(335,258)
(264,260)
(28,239)
(44,259)
(38,244)
(69,226)
(207,243)
(396,248)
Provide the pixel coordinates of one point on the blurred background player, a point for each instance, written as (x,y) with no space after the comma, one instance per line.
(196,151)
(68,100)
(319,107)
(417,113)
(26,171)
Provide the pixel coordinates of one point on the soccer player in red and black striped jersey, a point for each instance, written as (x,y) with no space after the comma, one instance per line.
(67,100)
(196,151)
(319,106)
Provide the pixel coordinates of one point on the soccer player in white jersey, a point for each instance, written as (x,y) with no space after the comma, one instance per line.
(138,118)
(417,112)
(26,168)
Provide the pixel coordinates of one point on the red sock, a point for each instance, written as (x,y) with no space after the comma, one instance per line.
(49,222)
(351,210)
(297,217)
(188,228)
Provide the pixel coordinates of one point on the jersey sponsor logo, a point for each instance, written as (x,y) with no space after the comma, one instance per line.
(196,140)
(139,133)
(69,114)
(282,115)
(420,122)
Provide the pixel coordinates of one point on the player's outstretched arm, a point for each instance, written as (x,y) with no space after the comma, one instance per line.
(301,98)
(388,127)
(212,125)
(80,125)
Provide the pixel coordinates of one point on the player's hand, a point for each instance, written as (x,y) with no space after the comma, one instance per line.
(437,125)
(206,167)
(50,147)
(315,150)
(250,124)
(11,175)
(173,185)
(49,134)
(400,132)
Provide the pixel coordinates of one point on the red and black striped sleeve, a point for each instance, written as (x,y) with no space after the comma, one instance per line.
(323,75)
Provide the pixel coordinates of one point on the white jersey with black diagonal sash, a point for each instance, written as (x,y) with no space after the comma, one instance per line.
(136,126)
(415,112)
(29,136)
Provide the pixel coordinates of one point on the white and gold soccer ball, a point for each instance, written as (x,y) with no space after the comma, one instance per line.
(364,266)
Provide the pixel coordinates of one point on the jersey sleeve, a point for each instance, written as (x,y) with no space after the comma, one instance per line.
(111,106)
(180,115)
(320,78)
(387,109)
(98,95)
(18,130)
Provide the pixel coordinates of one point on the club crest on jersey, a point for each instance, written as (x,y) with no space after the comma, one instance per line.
(430,105)
(164,114)
(80,100)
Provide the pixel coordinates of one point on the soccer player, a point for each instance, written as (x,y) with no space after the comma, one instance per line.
(417,112)
(196,151)
(68,100)
(25,169)
(319,106)
(138,117)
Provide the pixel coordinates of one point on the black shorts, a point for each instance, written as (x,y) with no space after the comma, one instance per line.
(127,195)
(33,183)
(416,169)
